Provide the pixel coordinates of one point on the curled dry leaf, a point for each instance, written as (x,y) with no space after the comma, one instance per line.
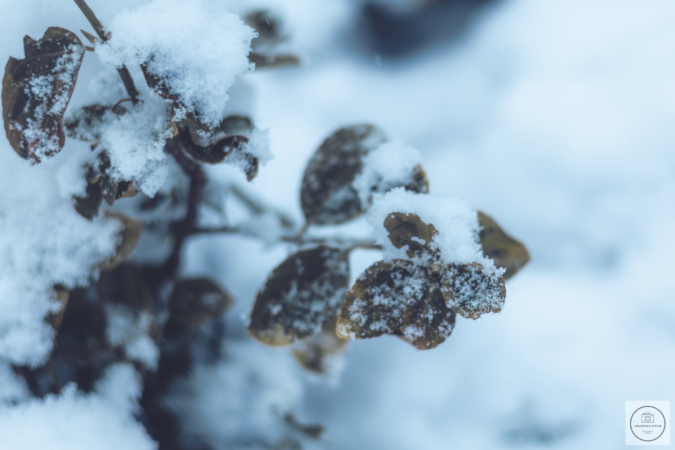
(315,353)
(101,185)
(409,230)
(312,431)
(300,295)
(228,142)
(505,251)
(195,301)
(471,292)
(61,294)
(396,297)
(36,91)
(130,234)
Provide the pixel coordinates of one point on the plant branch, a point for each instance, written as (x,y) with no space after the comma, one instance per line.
(350,243)
(123,72)
(186,226)
(258,207)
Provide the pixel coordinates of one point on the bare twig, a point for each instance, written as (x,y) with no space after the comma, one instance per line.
(123,72)
(349,242)
(258,207)
(186,226)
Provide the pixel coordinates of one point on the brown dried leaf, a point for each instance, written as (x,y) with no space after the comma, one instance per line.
(408,230)
(129,237)
(314,353)
(300,295)
(396,297)
(505,251)
(87,122)
(225,143)
(36,92)
(327,195)
(61,294)
(263,61)
(195,301)
(126,285)
(471,292)
(312,431)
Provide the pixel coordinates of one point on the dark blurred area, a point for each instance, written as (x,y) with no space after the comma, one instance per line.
(395,32)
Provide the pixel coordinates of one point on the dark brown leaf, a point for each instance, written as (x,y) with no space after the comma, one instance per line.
(36,91)
(195,301)
(408,230)
(396,297)
(505,251)
(471,292)
(327,195)
(226,143)
(129,237)
(101,185)
(314,353)
(312,431)
(87,122)
(61,294)
(263,61)
(300,295)
(126,285)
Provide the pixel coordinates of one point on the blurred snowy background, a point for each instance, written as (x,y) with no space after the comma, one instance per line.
(557,118)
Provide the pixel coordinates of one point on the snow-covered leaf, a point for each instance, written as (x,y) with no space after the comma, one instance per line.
(36,91)
(300,295)
(409,230)
(198,300)
(505,251)
(327,194)
(397,297)
(349,167)
(471,292)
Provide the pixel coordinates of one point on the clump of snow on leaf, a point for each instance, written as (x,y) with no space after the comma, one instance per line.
(455,220)
(135,143)
(197,50)
(388,165)
(73,420)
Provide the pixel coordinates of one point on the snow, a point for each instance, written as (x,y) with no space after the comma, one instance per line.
(389,165)
(239,400)
(455,221)
(43,242)
(135,143)
(197,48)
(72,420)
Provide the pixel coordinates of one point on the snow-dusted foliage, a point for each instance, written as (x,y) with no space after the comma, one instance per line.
(115,332)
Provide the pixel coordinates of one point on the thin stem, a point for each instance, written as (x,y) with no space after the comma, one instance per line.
(123,72)
(258,207)
(187,226)
(350,243)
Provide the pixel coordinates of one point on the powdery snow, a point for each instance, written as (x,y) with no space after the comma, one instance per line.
(197,48)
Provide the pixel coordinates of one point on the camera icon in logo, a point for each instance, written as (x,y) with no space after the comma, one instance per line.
(647,417)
